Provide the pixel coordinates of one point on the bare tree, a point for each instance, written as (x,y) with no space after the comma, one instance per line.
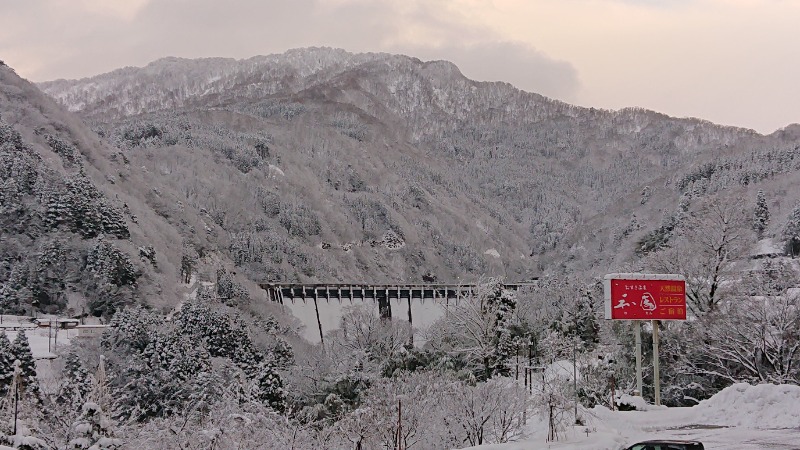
(753,339)
(478,327)
(710,242)
(361,330)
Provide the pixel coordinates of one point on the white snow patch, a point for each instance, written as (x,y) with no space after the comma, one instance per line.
(38,339)
(766,247)
(275,170)
(562,370)
(760,406)
(492,252)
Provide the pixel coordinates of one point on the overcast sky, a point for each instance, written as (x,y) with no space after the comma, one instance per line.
(734,62)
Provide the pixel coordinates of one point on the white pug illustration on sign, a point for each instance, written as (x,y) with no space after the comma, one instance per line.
(648,302)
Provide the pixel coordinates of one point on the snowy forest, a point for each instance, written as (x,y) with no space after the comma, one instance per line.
(152,202)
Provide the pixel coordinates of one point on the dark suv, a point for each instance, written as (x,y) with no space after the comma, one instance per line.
(667,445)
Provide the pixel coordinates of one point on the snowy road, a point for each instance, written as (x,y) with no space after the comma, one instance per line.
(737,437)
(740,417)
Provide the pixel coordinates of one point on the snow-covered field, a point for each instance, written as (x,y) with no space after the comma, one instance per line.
(739,417)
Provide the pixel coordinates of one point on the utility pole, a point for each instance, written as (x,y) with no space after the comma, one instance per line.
(399,445)
(575,374)
(17,364)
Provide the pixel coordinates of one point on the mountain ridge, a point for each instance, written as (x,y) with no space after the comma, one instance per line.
(294,56)
(533,169)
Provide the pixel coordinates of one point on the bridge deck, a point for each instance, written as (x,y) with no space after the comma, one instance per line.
(278,292)
(379,293)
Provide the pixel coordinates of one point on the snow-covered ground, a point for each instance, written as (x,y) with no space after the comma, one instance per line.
(38,338)
(739,417)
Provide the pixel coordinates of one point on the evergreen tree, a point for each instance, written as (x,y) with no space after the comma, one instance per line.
(130,331)
(281,355)
(6,364)
(760,215)
(268,387)
(21,350)
(503,303)
(223,336)
(93,431)
(162,379)
(579,320)
(179,355)
(791,232)
(75,385)
(228,289)
(110,265)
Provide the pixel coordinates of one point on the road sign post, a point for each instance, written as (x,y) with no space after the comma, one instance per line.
(637,331)
(653,297)
(656,366)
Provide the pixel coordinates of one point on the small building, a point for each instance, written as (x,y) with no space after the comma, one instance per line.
(90,331)
(766,249)
(44,322)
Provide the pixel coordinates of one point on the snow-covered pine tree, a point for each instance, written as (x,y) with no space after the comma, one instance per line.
(109,264)
(578,319)
(200,321)
(76,383)
(70,155)
(93,431)
(18,411)
(57,207)
(6,364)
(130,330)
(85,209)
(760,214)
(268,387)
(281,355)
(228,290)
(21,350)
(162,379)
(223,336)
(179,355)
(503,303)
(791,232)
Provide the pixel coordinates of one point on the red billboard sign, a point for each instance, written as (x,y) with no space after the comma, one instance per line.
(645,297)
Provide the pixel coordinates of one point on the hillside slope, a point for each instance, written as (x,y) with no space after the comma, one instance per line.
(325,165)
(77,232)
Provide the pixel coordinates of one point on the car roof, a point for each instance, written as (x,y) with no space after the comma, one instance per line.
(667,441)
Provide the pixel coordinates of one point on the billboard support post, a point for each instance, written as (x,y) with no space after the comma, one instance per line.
(637,332)
(656,368)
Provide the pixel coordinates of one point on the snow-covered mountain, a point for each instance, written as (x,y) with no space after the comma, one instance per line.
(371,143)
